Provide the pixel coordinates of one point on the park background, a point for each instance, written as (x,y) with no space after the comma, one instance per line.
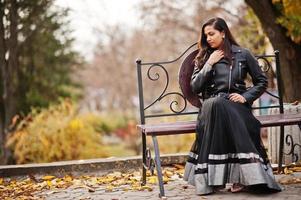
(68,74)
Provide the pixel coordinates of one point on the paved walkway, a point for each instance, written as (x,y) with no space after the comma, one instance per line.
(175,190)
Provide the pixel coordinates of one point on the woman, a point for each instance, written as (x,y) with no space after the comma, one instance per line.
(228,147)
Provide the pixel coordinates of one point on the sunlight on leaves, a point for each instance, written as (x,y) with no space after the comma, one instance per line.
(32,187)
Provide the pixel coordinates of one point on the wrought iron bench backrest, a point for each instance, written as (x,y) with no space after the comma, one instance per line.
(154,106)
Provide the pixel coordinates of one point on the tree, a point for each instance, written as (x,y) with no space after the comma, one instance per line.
(36,59)
(8,62)
(281,21)
(169,28)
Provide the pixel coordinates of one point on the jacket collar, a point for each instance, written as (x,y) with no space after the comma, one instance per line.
(235,49)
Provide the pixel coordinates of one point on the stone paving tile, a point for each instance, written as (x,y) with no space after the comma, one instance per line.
(175,190)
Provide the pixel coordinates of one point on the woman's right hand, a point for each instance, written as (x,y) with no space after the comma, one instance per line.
(215,57)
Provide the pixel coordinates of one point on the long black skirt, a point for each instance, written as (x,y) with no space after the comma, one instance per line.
(228,149)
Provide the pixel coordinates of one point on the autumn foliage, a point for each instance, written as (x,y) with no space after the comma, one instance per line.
(55,134)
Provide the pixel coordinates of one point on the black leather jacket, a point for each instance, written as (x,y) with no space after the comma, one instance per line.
(224,77)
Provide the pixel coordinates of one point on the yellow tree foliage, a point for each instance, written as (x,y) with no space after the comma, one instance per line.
(56,134)
(290,17)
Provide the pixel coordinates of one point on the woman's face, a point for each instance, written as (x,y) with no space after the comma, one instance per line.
(214,37)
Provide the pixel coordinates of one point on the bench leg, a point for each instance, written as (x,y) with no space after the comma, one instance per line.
(281,145)
(143,159)
(158,166)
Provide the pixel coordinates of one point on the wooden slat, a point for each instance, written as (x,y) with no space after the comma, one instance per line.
(279,119)
(189,126)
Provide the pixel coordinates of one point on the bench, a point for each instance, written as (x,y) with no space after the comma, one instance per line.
(146,71)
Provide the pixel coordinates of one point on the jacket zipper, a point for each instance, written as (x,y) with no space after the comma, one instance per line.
(239,68)
(230,79)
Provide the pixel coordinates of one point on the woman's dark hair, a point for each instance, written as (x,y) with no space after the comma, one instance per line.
(204,48)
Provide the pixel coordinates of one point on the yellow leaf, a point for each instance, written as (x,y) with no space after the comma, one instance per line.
(152,180)
(108,179)
(47,178)
(1,181)
(68,178)
(168,174)
(49,183)
(165,180)
(145,187)
(135,178)
(77,182)
(287,171)
(109,188)
(296,169)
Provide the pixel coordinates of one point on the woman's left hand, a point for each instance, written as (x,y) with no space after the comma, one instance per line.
(237,98)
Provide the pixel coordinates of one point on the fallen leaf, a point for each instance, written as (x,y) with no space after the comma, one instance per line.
(168,174)
(68,178)
(32,177)
(145,187)
(152,180)
(47,178)
(49,183)
(109,188)
(296,169)
(165,180)
(178,166)
(287,171)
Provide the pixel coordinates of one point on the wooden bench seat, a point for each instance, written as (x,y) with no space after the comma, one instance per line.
(183,127)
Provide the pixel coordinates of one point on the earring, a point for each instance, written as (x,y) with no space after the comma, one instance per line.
(223,37)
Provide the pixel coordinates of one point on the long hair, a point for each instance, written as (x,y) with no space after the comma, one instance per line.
(204,48)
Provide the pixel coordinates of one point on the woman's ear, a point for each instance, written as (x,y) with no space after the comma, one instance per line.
(223,34)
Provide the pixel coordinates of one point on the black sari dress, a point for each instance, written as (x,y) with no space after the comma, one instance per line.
(228,147)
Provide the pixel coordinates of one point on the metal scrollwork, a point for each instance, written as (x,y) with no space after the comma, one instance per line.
(176,102)
(290,142)
(156,77)
(266,66)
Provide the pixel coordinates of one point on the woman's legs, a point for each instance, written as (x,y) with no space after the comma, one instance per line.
(227,149)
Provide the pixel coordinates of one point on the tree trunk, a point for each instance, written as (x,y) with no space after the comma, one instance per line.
(290,52)
(3,84)
(13,68)
(9,72)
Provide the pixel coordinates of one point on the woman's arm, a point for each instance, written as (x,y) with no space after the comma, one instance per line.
(200,77)
(258,78)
